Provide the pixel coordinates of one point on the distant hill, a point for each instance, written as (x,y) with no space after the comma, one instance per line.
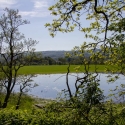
(54,54)
(58,54)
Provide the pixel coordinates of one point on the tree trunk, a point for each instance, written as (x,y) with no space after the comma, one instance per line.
(18,102)
(6,100)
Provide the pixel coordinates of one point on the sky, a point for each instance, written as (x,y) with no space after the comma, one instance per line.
(36,11)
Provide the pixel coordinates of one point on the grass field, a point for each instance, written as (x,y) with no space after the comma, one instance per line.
(53,69)
(27,101)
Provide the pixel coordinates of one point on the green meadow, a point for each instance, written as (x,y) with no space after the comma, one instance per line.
(54,69)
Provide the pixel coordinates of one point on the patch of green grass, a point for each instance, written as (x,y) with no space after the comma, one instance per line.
(53,69)
(27,102)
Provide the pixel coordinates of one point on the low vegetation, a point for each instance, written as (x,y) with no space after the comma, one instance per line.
(59,113)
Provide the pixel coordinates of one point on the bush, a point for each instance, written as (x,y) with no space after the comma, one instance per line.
(57,113)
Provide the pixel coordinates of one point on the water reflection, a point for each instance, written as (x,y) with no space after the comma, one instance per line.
(50,85)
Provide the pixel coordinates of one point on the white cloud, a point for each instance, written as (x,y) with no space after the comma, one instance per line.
(34,13)
(40,4)
(55,88)
(7,3)
(40,9)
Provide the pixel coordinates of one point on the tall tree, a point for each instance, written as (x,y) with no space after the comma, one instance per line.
(15,49)
(101,14)
(106,19)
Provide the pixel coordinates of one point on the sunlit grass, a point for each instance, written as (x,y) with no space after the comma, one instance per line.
(54,69)
(27,102)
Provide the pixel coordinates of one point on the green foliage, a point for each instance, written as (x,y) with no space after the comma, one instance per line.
(107,19)
(103,16)
(59,113)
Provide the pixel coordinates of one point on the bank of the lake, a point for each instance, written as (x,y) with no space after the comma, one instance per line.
(55,69)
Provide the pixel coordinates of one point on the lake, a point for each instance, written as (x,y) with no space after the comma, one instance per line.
(50,85)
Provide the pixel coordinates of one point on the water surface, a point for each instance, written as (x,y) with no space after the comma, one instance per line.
(50,85)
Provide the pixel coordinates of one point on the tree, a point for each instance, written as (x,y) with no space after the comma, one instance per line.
(37,59)
(49,60)
(106,19)
(62,61)
(106,28)
(102,13)
(25,84)
(15,49)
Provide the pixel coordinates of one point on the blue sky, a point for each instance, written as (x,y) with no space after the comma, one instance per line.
(36,11)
